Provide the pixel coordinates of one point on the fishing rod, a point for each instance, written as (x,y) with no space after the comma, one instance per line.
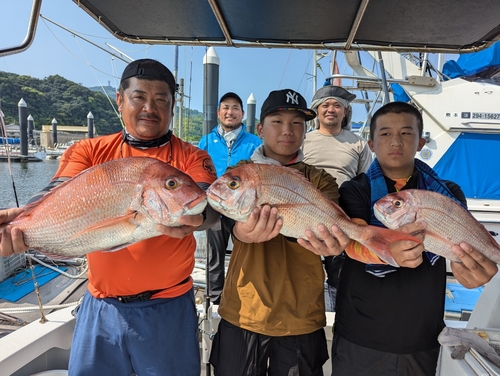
(7,151)
(87,40)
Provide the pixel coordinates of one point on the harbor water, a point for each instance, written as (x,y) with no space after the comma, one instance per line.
(29,178)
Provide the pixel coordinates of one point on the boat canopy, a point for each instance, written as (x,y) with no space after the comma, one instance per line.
(474,64)
(394,25)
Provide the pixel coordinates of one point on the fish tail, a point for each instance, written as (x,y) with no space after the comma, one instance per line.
(377,238)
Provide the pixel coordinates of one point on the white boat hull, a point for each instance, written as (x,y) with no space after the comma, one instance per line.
(38,347)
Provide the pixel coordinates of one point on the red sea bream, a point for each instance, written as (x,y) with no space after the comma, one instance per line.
(109,206)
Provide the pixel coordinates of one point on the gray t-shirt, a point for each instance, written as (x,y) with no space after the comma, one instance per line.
(344,155)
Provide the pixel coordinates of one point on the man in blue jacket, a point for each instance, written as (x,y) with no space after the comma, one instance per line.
(227,144)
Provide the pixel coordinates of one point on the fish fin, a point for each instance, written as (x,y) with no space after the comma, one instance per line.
(126,224)
(357,251)
(459,351)
(129,218)
(55,256)
(117,248)
(378,238)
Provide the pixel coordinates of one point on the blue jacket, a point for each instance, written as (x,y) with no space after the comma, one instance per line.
(242,149)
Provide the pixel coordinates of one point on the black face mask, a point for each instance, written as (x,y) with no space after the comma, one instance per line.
(143,144)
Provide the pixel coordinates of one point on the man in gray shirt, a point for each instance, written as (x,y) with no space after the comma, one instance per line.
(334,148)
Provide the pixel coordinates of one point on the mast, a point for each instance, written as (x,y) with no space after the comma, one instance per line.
(176,110)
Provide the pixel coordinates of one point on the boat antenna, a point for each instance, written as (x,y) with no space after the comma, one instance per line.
(188,124)
(117,50)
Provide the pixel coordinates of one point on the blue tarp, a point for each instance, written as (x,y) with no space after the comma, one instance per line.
(473,63)
(21,284)
(472,162)
(10,140)
(461,299)
(399,93)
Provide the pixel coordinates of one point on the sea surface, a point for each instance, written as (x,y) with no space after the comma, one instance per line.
(29,178)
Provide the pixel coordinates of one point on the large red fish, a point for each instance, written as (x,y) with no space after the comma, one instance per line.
(448,222)
(301,205)
(109,206)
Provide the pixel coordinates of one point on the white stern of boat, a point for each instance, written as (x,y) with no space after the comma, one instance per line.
(24,350)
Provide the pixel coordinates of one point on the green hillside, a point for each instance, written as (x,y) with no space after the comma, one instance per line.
(111,91)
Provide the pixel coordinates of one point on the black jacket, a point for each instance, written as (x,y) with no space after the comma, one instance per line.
(401,312)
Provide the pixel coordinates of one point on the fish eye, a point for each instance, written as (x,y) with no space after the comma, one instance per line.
(397,203)
(171,183)
(234,183)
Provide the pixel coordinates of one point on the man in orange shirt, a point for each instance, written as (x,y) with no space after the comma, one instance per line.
(139,317)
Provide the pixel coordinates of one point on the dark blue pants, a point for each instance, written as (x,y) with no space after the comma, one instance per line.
(154,337)
(218,239)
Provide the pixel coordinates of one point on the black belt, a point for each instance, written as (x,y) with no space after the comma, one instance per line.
(145,295)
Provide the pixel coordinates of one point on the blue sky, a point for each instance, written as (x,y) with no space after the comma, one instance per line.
(56,51)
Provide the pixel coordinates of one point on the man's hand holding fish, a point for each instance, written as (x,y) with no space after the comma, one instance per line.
(475,269)
(190,223)
(263,224)
(407,253)
(11,239)
(333,242)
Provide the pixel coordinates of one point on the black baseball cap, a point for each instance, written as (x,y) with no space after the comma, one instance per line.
(230,94)
(285,100)
(149,68)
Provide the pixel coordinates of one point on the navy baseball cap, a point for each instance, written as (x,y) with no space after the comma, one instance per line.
(150,69)
(285,100)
